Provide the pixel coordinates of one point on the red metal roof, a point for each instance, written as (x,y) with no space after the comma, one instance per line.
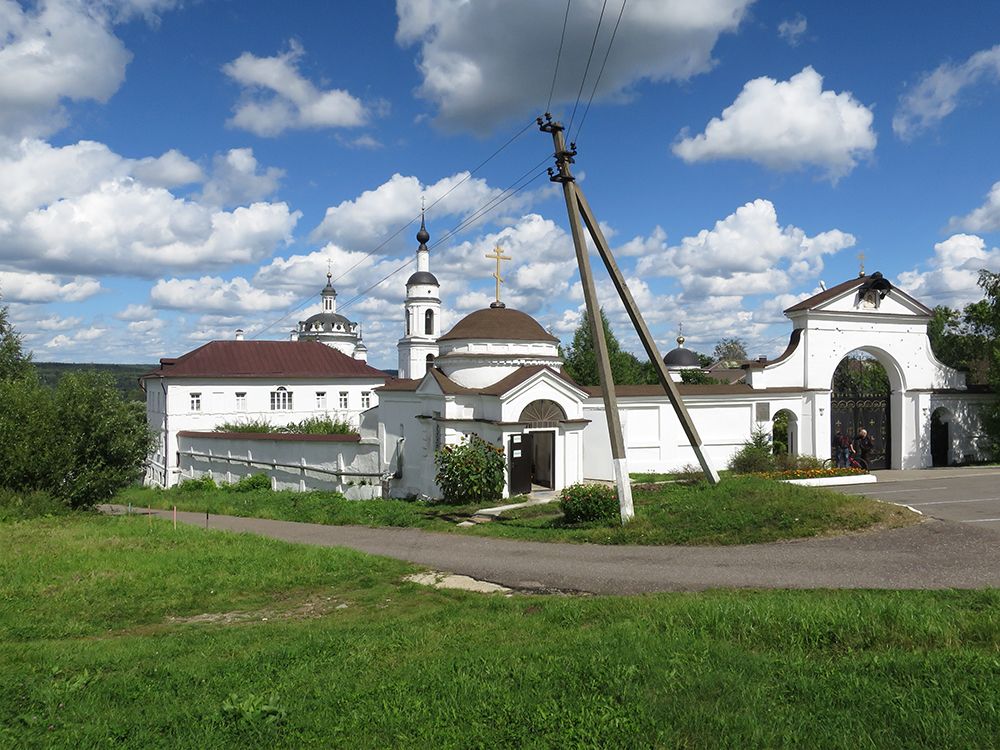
(250,359)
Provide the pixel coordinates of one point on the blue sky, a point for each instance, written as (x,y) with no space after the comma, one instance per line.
(171,171)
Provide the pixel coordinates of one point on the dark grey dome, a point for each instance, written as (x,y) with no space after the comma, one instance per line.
(681,357)
(422,277)
(326,321)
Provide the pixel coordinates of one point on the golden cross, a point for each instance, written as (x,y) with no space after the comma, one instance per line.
(498,256)
(861,257)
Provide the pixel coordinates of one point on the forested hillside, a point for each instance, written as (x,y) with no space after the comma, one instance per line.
(126,377)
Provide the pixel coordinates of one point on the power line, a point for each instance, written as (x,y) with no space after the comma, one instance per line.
(607,54)
(440,198)
(496,202)
(555,73)
(388,239)
(586,69)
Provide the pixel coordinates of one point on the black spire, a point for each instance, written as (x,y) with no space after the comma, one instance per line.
(422,234)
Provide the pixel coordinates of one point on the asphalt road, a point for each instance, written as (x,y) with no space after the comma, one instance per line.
(969,495)
(931,555)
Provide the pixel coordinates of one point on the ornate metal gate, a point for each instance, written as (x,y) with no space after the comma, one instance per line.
(849,413)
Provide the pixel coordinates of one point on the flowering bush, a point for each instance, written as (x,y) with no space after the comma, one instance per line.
(470,472)
(814,473)
(589,502)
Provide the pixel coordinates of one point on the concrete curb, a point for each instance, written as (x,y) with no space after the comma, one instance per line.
(834,481)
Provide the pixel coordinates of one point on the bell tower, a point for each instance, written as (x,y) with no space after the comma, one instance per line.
(422,326)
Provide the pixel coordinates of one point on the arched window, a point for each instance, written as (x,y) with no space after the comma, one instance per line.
(429,322)
(542,413)
(430,361)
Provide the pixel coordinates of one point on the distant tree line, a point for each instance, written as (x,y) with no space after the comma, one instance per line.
(80,441)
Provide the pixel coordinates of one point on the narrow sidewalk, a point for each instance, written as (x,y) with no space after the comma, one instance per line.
(930,555)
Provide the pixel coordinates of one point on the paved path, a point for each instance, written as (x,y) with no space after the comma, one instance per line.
(933,554)
(969,495)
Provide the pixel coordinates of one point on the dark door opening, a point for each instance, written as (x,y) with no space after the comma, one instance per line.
(543,459)
(939,441)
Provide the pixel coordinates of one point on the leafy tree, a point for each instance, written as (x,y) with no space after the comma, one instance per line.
(581,359)
(960,339)
(731,350)
(14,363)
(988,316)
(80,442)
(859,373)
(698,377)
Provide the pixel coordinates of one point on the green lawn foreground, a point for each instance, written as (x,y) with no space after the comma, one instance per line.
(104,643)
(740,510)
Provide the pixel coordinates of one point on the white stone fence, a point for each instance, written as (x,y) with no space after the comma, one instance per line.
(345,463)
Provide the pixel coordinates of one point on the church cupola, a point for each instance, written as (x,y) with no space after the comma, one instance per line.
(422,310)
(329,295)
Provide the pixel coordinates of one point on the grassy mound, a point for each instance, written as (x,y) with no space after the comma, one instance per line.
(740,510)
(119,633)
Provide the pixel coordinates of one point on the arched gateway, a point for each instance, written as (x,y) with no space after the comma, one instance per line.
(867,314)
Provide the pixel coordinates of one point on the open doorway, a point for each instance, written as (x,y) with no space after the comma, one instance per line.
(940,437)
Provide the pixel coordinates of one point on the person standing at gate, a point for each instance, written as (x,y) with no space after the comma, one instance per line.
(863,444)
(842,450)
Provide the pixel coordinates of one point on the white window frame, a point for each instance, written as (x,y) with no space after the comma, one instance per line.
(196,401)
(343,399)
(321,400)
(241,400)
(281,399)
(366,399)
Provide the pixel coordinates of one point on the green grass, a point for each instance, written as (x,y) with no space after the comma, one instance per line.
(740,510)
(97,649)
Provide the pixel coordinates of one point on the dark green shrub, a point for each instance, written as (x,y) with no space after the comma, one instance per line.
(250,483)
(201,484)
(247,425)
(755,455)
(19,506)
(320,426)
(471,472)
(589,502)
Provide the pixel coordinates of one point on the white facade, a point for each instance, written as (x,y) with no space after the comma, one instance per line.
(422,315)
(201,404)
(855,315)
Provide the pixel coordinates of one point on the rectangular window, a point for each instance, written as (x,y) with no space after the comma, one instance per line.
(241,401)
(281,400)
(366,399)
(320,399)
(195,402)
(343,399)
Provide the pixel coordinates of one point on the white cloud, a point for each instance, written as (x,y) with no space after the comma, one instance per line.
(172,169)
(211,294)
(17,286)
(236,180)
(364,222)
(793,29)
(746,253)
(986,218)
(80,208)
(276,97)
(787,125)
(484,63)
(952,273)
(135,313)
(82,336)
(125,228)
(56,50)
(937,94)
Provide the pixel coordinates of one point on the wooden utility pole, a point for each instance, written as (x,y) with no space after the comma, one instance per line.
(576,204)
(563,159)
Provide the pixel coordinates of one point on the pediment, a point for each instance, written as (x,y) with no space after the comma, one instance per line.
(866,295)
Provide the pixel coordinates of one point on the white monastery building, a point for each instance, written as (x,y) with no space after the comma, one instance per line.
(497,374)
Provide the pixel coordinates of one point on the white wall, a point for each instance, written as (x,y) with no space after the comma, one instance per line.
(655,440)
(171,411)
(220,457)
